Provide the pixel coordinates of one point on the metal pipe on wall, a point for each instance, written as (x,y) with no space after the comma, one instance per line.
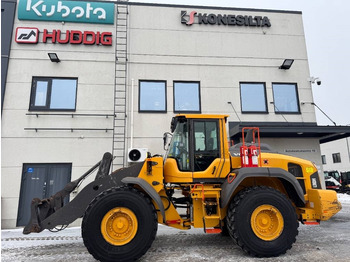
(132,114)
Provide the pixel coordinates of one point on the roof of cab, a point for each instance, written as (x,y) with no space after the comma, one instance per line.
(202,116)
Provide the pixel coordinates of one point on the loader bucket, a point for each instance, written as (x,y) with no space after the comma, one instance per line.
(42,210)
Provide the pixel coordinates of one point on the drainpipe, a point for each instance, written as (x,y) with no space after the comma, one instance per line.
(132,114)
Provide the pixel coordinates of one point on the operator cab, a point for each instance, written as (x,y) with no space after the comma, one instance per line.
(195,150)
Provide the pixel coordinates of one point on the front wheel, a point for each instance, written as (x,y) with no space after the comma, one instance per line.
(262,221)
(120,224)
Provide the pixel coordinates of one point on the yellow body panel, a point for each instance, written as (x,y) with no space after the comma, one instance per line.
(154,174)
(282,161)
(172,174)
(203,116)
(203,196)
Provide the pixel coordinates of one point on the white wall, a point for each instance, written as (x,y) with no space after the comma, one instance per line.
(340,146)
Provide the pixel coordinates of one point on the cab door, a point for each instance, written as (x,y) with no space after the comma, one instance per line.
(206,148)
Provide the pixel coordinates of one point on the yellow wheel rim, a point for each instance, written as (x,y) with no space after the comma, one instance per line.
(267,222)
(119,226)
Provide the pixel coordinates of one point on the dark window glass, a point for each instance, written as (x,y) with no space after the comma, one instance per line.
(336,158)
(187,97)
(53,94)
(285,98)
(152,96)
(206,144)
(253,98)
(324,159)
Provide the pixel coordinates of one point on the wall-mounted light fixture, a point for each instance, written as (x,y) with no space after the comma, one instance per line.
(54,57)
(287,63)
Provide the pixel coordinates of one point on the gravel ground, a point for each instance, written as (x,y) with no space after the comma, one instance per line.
(328,242)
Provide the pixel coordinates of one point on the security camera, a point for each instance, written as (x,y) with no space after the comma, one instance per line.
(314,80)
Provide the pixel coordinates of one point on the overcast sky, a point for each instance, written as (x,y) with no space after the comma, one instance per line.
(327,32)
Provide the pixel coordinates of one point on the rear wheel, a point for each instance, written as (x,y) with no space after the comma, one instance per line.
(120,224)
(262,221)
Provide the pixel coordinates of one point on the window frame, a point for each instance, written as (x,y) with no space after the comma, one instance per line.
(297,98)
(254,112)
(193,150)
(336,158)
(165,96)
(323,159)
(46,107)
(199,111)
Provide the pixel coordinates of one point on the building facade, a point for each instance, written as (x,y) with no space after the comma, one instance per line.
(336,155)
(84,78)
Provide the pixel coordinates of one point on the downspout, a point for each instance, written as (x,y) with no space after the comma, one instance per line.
(132,114)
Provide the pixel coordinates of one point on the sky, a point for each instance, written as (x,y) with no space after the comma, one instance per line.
(327,33)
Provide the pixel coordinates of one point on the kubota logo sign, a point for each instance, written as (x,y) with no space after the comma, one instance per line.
(66,11)
(30,35)
(219,19)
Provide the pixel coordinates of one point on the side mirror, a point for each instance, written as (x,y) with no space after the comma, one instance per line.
(166,135)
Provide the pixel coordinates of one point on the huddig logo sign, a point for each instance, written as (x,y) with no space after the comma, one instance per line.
(30,35)
(213,19)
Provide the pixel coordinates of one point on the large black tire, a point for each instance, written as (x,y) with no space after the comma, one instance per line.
(271,214)
(136,207)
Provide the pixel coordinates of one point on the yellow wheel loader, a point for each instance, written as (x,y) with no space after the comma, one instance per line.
(257,196)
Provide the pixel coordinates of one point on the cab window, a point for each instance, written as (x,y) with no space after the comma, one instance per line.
(206,146)
(179,147)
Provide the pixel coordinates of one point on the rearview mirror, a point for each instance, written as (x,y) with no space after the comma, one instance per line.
(166,137)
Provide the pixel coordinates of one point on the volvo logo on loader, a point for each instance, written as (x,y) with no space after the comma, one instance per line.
(27,35)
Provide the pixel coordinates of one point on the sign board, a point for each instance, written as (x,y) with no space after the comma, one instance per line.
(27,35)
(66,11)
(193,17)
(30,35)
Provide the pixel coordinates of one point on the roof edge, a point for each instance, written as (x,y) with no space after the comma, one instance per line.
(209,7)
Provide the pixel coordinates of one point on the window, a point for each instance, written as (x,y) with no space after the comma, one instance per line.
(323,157)
(53,94)
(253,98)
(206,144)
(187,97)
(285,98)
(179,148)
(336,158)
(152,96)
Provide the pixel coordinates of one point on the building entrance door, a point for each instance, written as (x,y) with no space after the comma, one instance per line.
(40,181)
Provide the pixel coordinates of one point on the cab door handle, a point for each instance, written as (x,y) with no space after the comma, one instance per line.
(213,170)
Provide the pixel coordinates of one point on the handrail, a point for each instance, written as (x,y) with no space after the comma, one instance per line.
(72,115)
(67,129)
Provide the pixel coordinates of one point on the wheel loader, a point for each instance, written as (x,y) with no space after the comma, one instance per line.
(249,191)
